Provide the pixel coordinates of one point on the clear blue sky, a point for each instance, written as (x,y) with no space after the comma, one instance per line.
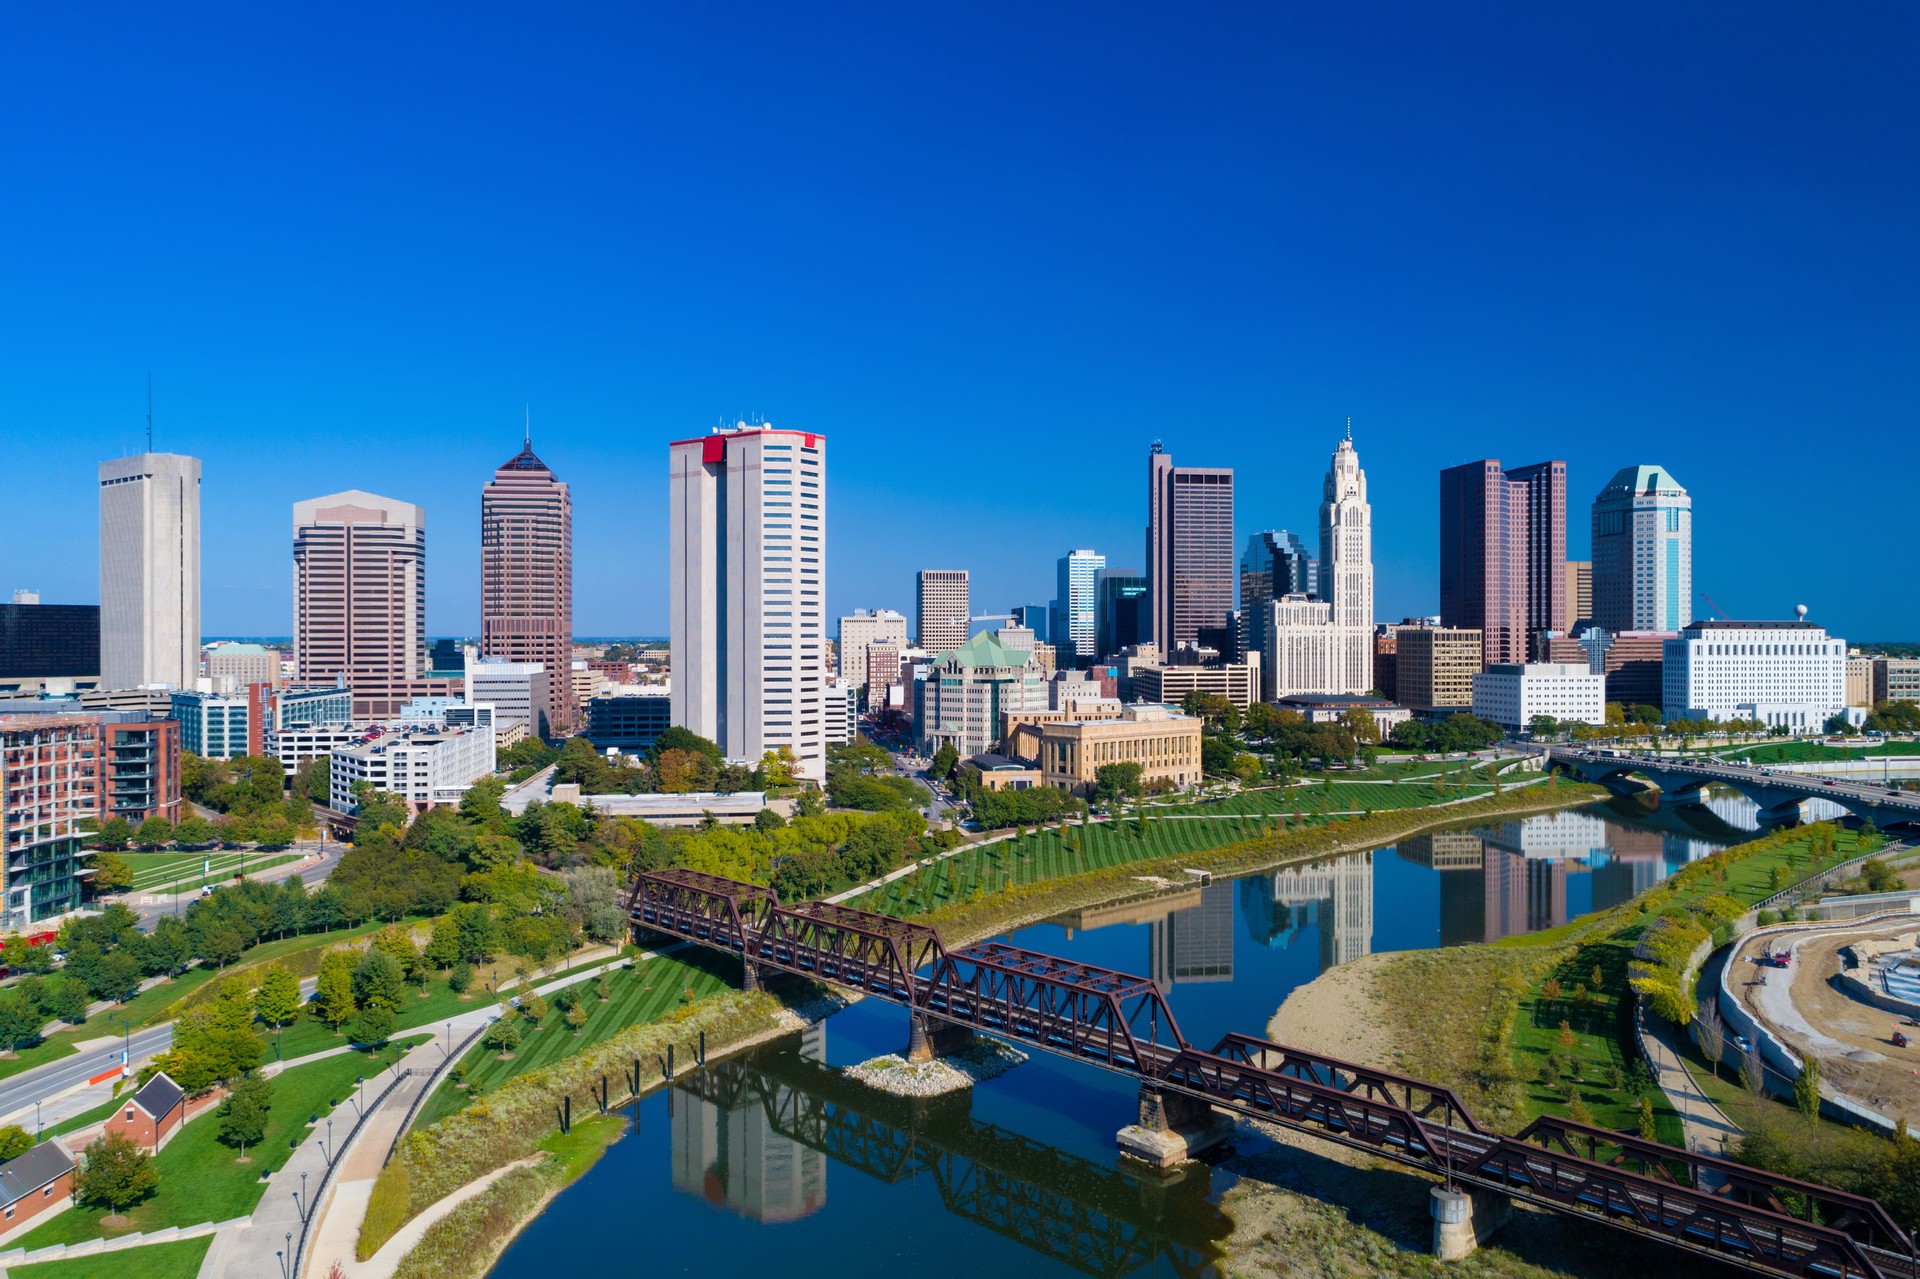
(991,251)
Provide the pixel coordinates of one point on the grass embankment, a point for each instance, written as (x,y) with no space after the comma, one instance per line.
(987,889)
(203,1180)
(636,996)
(299,955)
(1485,1021)
(1332,794)
(177,1260)
(1802,752)
(513,1120)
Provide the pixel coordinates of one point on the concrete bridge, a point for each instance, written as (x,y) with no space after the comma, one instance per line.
(1779,794)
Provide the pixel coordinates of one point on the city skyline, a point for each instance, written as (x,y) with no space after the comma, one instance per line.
(372,293)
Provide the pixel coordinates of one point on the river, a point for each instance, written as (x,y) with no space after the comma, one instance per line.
(771,1162)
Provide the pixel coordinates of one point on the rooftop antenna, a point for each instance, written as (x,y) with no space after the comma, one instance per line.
(149,410)
(527,442)
(1349,430)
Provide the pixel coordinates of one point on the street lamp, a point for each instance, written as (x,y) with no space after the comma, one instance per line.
(327,1148)
(303,1198)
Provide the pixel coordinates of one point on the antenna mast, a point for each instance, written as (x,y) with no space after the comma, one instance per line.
(149,410)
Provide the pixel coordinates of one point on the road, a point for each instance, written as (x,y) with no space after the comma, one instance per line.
(42,1082)
(151,907)
(1809,785)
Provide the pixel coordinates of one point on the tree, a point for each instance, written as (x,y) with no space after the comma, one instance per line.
(111,873)
(333,989)
(194,831)
(114,833)
(277,1001)
(576,1018)
(372,1025)
(14,1142)
(460,977)
(19,1024)
(1806,1089)
(116,1172)
(1648,1132)
(155,831)
(943,761)
(243,1115)
(1712,1032)
(503,1036)
(1541,726)
(379,981)
(1753,1069)
(533,1007)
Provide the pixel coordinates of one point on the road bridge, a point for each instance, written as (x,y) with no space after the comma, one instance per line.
(1120,1022)
(1779,794)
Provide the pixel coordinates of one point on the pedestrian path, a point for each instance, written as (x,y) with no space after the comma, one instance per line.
(1705,1127)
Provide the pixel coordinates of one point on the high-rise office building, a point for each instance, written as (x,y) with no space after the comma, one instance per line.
(1274,564)
(1120,620)
(1037,618)
(1189,549)
(1579,592)
(39,642)
(150,570)
(748,579)
(861,629)
(1346,564)
(526,575)
(1503,554)
(1077,603)
(1434,667)
(1643,552)
(360,597)
(943,605)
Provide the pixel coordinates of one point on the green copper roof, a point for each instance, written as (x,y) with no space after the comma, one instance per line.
(987,649)
(1643,479)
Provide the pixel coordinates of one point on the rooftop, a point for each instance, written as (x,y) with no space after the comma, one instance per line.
(24,1174)
(1777,624)
(525,460)
(159,1095)
(1354,700)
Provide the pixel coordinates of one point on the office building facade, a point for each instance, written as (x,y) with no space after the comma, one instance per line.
(214,725)
(233,668)
(1346,567)
(942,608)
(1274,564)
(1075,631)
(1579,592)
(1121,604)
(862,629)
(1789,675)
(150,571)
(748,555)
(1434,667)
(526,576)
(360,597)
(972,687)
(1643,552)
(1896,679)
(426,766)
(519,692)
(1503,554)
(1513,695)
(41,642)
(629,723)
(1189,550)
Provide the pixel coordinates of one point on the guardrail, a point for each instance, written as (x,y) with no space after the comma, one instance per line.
(333,1161)
(433,1080)
(1793,894)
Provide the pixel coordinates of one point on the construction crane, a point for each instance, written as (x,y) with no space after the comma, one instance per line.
(1715,607)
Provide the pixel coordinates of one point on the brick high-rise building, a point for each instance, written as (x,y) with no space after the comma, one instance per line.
(1503,554)
(1434,667)
(526,576)
(943,608)
(360,597)
(1190,565)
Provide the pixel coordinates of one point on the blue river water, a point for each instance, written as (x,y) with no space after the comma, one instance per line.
(772,1159)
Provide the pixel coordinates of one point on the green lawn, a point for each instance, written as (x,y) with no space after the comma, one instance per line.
(1803,752)
(178,1260)
(635,997)
(153,871)
(1334,795)
(200,1179)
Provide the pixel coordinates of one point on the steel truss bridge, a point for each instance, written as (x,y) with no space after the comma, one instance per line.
(1753,1220)
(1096,1219)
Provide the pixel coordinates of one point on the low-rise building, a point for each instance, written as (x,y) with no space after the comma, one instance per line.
(151,1115)
(630,722)
(1859,680)
(35,1185)
(1434,667)
(516,690)
(231,667)
(270,709)
(214,725)
(1164,741)
(999,772)
(1238,682)
(1512,694)
(424,766)
(843,711)
(1328,708)
(1788,675)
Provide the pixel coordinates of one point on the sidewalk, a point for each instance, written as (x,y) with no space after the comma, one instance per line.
(1706,1129)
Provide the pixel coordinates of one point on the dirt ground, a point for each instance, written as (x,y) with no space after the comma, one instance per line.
(1334,1014)
(1890,1084)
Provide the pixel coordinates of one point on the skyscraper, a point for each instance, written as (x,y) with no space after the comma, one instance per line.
(1503,553)
(1120,621)
(150,570)
(1189,549)
(1273,565)
(1643,552)
(526,575)
(943,608)
(1346,563)
(748,553)
(1076,635)
(360,597)
(1579,592)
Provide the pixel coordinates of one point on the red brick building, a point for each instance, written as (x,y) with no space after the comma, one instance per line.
(151,1115)
(36,1184)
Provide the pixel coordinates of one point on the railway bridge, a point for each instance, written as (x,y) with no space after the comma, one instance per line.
(1779,794)
(1751,1219)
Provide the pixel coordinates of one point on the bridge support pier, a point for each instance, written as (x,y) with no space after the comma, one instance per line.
(1173,1128)
(928,1039)
(750,979)
(1465,1219)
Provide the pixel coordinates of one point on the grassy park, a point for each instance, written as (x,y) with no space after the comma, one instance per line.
(177,1260)
(155,872)
(1808,752)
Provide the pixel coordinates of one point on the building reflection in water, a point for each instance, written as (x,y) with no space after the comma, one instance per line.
(733,1158)
(1336,897)
(1194,944)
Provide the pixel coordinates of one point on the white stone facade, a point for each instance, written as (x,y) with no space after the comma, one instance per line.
(1510,695)
(150,571)
(1788,675)
(424,766)
(861,629)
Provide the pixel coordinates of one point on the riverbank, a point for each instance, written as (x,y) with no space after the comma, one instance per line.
(1002,912)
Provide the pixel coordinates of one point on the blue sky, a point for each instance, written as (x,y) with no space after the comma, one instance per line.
(991,251)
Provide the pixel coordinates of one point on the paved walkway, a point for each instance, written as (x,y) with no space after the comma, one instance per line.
(1705,1127)
(351,1203)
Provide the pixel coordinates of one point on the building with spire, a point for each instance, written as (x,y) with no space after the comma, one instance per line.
(526,576)
(1346,563)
